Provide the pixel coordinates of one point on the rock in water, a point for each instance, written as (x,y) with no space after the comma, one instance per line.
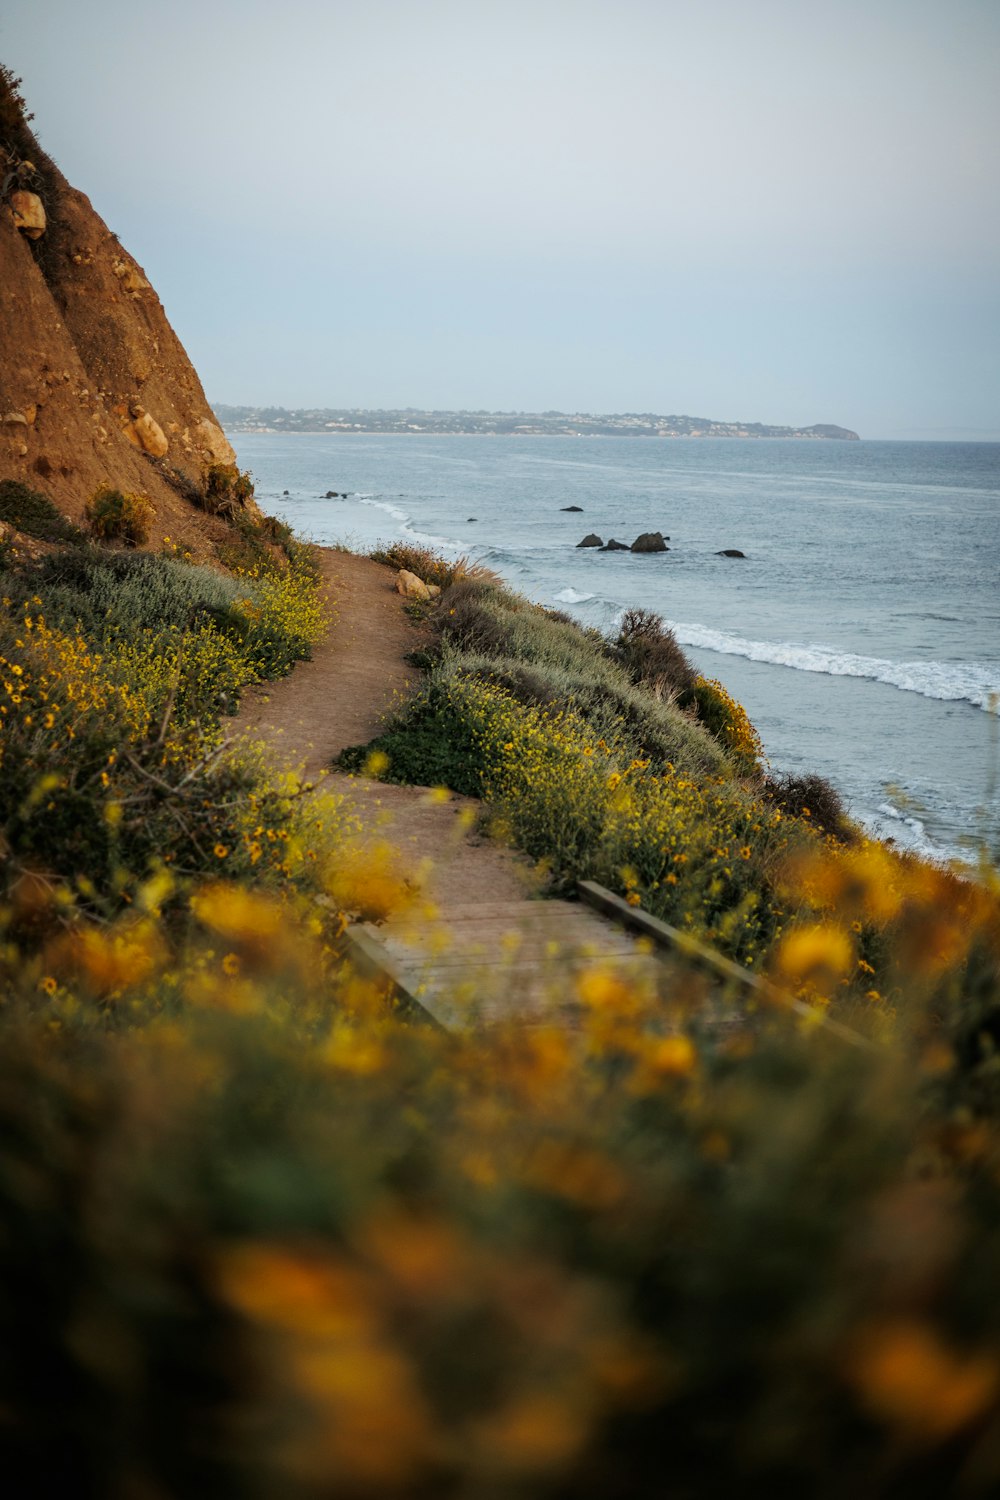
(650,541)
(577,508)
(614,546)
(592,540)
(730,552)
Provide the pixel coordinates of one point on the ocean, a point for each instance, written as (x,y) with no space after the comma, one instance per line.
(860,630)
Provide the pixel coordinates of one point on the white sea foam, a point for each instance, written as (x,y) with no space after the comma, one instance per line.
(428,539)
(425,538)
(899,827)
(571,596)
(969,681)
(387,506)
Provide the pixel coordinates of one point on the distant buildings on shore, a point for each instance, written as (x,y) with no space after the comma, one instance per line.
(507,423)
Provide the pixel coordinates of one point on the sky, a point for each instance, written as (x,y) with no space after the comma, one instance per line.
(782,211)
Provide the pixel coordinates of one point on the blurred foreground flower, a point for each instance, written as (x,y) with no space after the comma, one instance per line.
(108,961)
(817,953)
(909,1377)
(368,880)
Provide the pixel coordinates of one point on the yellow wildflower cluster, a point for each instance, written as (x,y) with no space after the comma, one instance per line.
(52,684)
(285,602)
(731,724)
(592,809)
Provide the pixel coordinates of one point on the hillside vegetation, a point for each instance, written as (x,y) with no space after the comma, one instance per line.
(264,1238)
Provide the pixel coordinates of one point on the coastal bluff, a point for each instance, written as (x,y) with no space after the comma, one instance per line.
(95,386)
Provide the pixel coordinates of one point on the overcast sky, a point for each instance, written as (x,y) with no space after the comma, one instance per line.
(772,210)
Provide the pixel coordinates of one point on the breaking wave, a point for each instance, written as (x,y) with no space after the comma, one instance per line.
(572,596)
(972,682)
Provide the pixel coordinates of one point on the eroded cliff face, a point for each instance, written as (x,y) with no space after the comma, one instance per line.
(95,387)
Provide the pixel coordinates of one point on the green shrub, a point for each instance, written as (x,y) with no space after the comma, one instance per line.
(271,616)
(34,514)
(545,658)
(812,798)
(110,593)
(477,617)
(427,565)
(431,746)
(249,546)
(119,516)
(110,703)
(227,490)
(729,722)
(651,655)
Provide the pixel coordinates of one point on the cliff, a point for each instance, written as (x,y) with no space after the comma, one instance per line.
(95,387)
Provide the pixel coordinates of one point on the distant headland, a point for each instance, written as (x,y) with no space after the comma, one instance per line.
(508,423)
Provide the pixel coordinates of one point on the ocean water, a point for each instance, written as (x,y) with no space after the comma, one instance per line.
(861,631)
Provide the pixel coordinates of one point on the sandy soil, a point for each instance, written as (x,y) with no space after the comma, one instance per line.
(356,675)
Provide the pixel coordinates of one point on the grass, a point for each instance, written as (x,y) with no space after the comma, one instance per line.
(119,516)
(263,1239)
(116,670)
(588,765)
(34,514)
(428,566)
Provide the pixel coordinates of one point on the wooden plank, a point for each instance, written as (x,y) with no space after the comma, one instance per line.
(482,977)
(369,959)
(634,919)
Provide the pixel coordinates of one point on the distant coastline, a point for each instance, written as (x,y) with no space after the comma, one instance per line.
(414,422)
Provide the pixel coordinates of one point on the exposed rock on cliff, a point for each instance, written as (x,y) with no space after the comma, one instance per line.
(95,387)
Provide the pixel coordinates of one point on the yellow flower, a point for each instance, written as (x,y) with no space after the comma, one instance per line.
(220,851)
(112,960)
(906,1375)
(815,951)
(368,880)
(603,990)
(673,1057)
(239,915)
(377,764)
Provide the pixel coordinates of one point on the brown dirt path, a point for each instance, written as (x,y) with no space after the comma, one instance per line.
(341,697)
(356,674)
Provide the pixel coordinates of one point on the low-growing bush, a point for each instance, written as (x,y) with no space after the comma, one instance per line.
(124,592)
(251,543)
(730,723)
(431,745)
(119,516)
(476,616)
(34,514)
(544,657)
(814,798)
(227,490)
(427,565)
(651,655)
(272,615)
(110,704)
